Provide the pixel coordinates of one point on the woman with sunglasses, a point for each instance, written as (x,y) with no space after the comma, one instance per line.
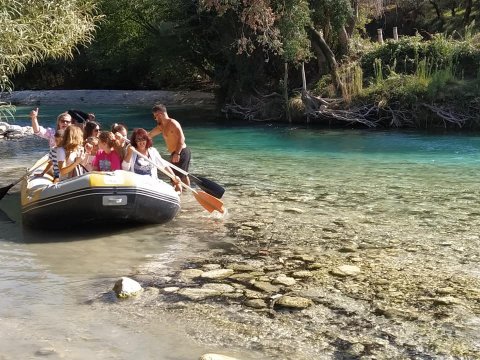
(63,121)
(92,128)
(142,142)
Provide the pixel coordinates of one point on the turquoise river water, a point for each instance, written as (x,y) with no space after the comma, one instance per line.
(410,186)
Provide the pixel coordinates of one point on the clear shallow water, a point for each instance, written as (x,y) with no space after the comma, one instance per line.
(400,187)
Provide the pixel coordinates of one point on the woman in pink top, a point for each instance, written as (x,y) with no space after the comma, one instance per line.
(106,159)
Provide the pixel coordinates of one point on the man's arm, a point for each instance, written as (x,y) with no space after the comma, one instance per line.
(155,131)
(179,136)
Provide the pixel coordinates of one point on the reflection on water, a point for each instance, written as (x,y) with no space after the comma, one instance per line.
(402,187)
(44,287)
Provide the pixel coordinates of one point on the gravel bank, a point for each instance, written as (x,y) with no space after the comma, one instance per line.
(107,97)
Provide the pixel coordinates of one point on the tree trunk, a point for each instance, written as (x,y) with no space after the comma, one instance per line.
(352,21)
(468,11)
(322,63)
(437,9)
(453,8)
(285,93)
(344,39)
(304,78)
(316,38)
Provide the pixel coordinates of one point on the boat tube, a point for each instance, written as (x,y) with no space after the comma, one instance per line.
(97,198)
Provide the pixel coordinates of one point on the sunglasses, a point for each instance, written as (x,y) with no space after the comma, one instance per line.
(65,121)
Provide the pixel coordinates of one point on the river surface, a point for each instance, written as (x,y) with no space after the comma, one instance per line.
(405,189)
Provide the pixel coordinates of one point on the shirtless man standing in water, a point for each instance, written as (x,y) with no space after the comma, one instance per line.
(174,139)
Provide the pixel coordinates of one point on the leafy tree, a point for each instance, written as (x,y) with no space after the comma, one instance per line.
(33,30)
(293,29)
(144,44)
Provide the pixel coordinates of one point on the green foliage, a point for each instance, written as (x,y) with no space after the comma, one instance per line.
(351,75)
(32,31)
(144,44)
(405,55)
(406,89)
(324,87)
(294,19)
(378,71)
(331,14)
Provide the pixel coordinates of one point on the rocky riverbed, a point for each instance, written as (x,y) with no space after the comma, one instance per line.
(322,258)
(288,288)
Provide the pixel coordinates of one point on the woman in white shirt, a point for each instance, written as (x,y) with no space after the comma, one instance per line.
(138,164)
(71,154)
(63,121)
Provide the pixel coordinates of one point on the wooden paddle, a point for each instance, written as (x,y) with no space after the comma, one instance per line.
(209,202)
(4,190)
(205,184)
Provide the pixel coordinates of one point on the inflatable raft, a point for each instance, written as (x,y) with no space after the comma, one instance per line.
(96,198)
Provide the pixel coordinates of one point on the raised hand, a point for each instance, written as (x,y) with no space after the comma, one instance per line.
(34,113)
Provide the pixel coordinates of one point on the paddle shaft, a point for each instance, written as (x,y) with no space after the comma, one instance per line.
(205,184)
(4,190)
(209,186)
(159,167)
(209,202)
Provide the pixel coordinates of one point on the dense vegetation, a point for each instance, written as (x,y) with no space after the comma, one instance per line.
(297,60)
(32,31)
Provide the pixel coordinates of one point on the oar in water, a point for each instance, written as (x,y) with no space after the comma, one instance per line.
(209,202)
(207,185)
(4,190)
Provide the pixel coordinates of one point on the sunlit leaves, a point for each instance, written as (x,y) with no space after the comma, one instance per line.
(294,18)
(258,23)
(33,30)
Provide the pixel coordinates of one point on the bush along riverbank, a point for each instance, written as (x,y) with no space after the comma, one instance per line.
(407,83)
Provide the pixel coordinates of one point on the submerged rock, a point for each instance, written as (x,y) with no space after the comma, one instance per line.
(46,351)
(294,302)
(346,270)
(223,288)
(282,279)
(216,357)
(256,303)
(265,286)
(189,274)
(217,274)
(196,294)
(446,300)
(126,287)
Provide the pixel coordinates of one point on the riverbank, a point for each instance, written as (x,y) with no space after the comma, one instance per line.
(108,97)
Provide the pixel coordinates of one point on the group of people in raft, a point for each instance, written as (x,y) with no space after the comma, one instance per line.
(78,145)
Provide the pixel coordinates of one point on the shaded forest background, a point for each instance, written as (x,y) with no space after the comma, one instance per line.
(294,60)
